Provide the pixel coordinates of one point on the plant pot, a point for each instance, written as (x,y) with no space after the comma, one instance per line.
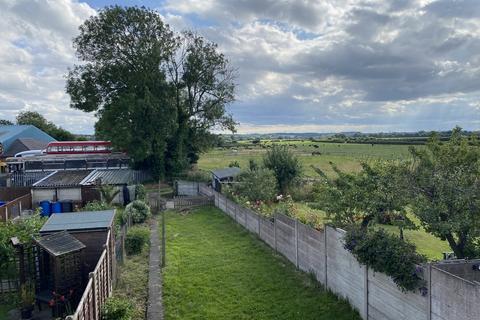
(26,312)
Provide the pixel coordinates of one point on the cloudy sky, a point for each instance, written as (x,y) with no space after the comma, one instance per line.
(304,66)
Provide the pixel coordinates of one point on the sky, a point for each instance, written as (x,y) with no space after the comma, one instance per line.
(303,66)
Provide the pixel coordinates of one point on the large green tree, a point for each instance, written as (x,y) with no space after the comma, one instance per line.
(445,188)
(156,94)
(204,85)
(36,119)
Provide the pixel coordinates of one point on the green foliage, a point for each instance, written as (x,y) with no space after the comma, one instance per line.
(444,183)
(137,237)
(285,165)
(36,119)
(375,194)
(117,309)
(252,165)
(234,164)
(387,253)
(138,210)
(140,192)
(108,192)
(23,229)
(156,94)
(4,122)
(259,185)
(97,206)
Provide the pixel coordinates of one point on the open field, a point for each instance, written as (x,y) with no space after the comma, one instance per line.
(346,156)
(217,270)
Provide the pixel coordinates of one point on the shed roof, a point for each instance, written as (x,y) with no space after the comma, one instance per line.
(226,172)
(8,134)
(109,176)
(60,243)
(25,144)
(63,178)
(75,221)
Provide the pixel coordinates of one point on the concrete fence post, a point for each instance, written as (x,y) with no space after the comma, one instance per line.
(235,210)
(429,279)
(259,225)
(326,254)
(365,290)
(296,243)
(275,231)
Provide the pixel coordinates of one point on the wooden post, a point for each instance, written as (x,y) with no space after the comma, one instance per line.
(91,275)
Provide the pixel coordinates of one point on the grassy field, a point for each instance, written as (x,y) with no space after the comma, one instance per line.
(217,270)
(346,156)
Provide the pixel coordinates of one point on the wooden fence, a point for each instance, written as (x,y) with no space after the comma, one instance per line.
(445,296)
(99,286)
(12,209)
(194,201)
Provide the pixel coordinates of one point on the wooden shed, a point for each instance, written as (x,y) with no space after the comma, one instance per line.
(89,227)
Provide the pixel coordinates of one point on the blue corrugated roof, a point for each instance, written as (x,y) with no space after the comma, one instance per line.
(8,134)
(73,221)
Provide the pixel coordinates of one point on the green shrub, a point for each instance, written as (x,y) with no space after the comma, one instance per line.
(136,239)
(140,192)
(285,165)
(387,253)
(117,309)
(96,206)
(258,185)
(138,210)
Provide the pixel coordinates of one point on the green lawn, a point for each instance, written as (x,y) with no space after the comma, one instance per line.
(426,243)
(218,270)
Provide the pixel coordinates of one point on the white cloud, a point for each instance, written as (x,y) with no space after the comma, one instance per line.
(35,52)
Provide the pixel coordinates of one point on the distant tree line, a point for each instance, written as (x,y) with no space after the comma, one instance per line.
(156,93)
(36,119)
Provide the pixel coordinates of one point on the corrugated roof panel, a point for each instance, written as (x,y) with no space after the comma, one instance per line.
(110,176)
(226,172)
(63,178)
(74,221)
(60,243)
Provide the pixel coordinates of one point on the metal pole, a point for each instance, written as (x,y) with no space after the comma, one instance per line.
(163,226)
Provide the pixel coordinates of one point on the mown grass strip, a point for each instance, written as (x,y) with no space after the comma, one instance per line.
(217,270)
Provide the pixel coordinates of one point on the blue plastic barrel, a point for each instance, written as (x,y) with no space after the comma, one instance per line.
(56,207)
(45,206)
(67,206)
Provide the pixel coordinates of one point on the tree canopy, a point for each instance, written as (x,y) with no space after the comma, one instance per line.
(156,93)
(445,189)
(36,119)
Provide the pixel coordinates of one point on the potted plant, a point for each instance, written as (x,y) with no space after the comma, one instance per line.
(27,297)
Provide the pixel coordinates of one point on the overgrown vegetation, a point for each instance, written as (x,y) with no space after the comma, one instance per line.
(133,283)
(138,210)
(137,238)
(284,164)
(117,309)
(384,252)
(217,270)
